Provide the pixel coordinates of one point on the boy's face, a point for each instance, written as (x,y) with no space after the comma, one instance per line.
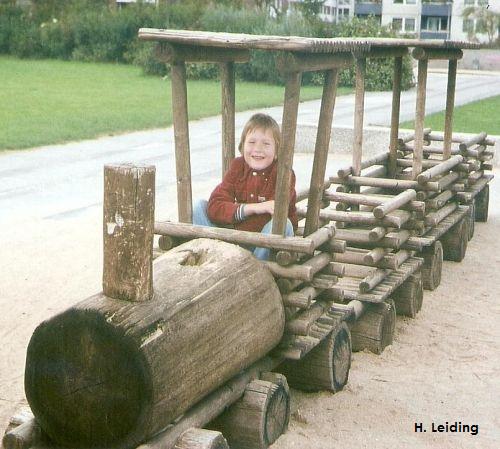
(259,148)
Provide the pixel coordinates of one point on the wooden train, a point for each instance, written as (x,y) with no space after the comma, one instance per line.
(203,356)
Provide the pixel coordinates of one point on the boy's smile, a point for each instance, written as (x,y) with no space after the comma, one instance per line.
(259,149)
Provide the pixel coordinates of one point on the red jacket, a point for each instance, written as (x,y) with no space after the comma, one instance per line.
(243,185)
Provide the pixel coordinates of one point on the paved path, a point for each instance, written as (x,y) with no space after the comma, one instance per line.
(62,181)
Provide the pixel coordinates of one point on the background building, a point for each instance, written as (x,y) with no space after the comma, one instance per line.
(424,19)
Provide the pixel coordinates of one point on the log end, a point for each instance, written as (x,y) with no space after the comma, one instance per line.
(378,212)
(78,358)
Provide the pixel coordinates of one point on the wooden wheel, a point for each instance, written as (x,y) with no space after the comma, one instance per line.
(408,297)
(374,330)
(433,265)
(455,241)
(472,218)
(326,367)
(259,417)
(482,204)
(201,439)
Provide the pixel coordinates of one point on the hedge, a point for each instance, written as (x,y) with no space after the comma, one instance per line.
(90,31)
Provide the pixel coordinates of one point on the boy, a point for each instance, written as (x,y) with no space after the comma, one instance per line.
(245,198)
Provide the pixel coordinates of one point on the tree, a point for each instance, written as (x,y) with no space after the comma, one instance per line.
(487,22)
(310,8)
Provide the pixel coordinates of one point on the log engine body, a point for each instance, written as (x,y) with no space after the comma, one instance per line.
(111,373)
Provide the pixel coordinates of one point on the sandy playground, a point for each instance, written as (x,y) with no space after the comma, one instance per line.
(444,366)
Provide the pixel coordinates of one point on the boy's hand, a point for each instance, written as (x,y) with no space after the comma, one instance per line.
(267,207)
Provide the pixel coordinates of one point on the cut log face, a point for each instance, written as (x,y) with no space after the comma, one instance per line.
(258,419)
(326,367)
(455,241)
(433,265)
(374,330)
(23,436)
(482,202)
(408,297)
(111,373)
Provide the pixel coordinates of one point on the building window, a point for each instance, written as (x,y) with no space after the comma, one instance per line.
(397,24)
(398,1)
(344,12)
(434,23)
(482,2)
(409,24)
(469,2)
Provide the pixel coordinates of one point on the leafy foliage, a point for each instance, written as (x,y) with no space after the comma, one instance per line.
(90,30)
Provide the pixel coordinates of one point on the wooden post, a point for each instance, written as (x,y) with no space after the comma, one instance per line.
(396,103)
(450,101)
(181,136)
(321,151)
(285,157)
(357,149)
(228,108)
(128,221)
(419,118)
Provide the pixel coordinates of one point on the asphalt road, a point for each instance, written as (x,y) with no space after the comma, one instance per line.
(62,181)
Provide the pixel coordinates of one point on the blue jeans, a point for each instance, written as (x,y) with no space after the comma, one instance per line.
(200,218)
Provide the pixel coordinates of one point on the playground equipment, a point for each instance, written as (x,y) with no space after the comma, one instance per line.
(218,339)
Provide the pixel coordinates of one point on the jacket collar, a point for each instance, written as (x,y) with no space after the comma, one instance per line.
(266,172)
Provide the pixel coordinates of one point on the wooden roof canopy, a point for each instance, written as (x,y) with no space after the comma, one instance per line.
(293,43)
(296,55)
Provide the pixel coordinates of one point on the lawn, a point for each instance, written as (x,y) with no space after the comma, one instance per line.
(471,118)
(49,101)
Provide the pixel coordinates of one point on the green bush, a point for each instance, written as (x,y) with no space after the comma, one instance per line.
(379,72)
(89,30)
(11,18)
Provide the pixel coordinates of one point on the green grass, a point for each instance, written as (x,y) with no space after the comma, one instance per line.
(471,118)
(49,101)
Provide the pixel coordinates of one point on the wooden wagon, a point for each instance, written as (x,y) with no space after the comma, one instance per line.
(233,347)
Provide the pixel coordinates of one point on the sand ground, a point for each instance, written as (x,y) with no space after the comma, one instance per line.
(444,366)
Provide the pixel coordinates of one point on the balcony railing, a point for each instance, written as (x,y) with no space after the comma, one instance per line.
(436,9)
(433,34)
(368,8)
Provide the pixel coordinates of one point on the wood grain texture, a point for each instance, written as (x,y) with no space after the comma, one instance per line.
(420,117)
(151,347)
(396,105)
(228,95)
(321,152)
(181,137)
(450,103)
(201,439)
(285,154)
(128,219)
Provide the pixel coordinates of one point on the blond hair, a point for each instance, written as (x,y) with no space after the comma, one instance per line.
(264,122)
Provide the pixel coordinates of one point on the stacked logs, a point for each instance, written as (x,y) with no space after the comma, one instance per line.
(462,183)
(306,276)
(373,227)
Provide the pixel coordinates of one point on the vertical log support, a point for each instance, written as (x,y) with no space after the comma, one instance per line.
(181,136)
(228,114)
(357,150)
(321,151)
(396,104)
(285,155)
(450,101)
(128,224)
(419,118)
